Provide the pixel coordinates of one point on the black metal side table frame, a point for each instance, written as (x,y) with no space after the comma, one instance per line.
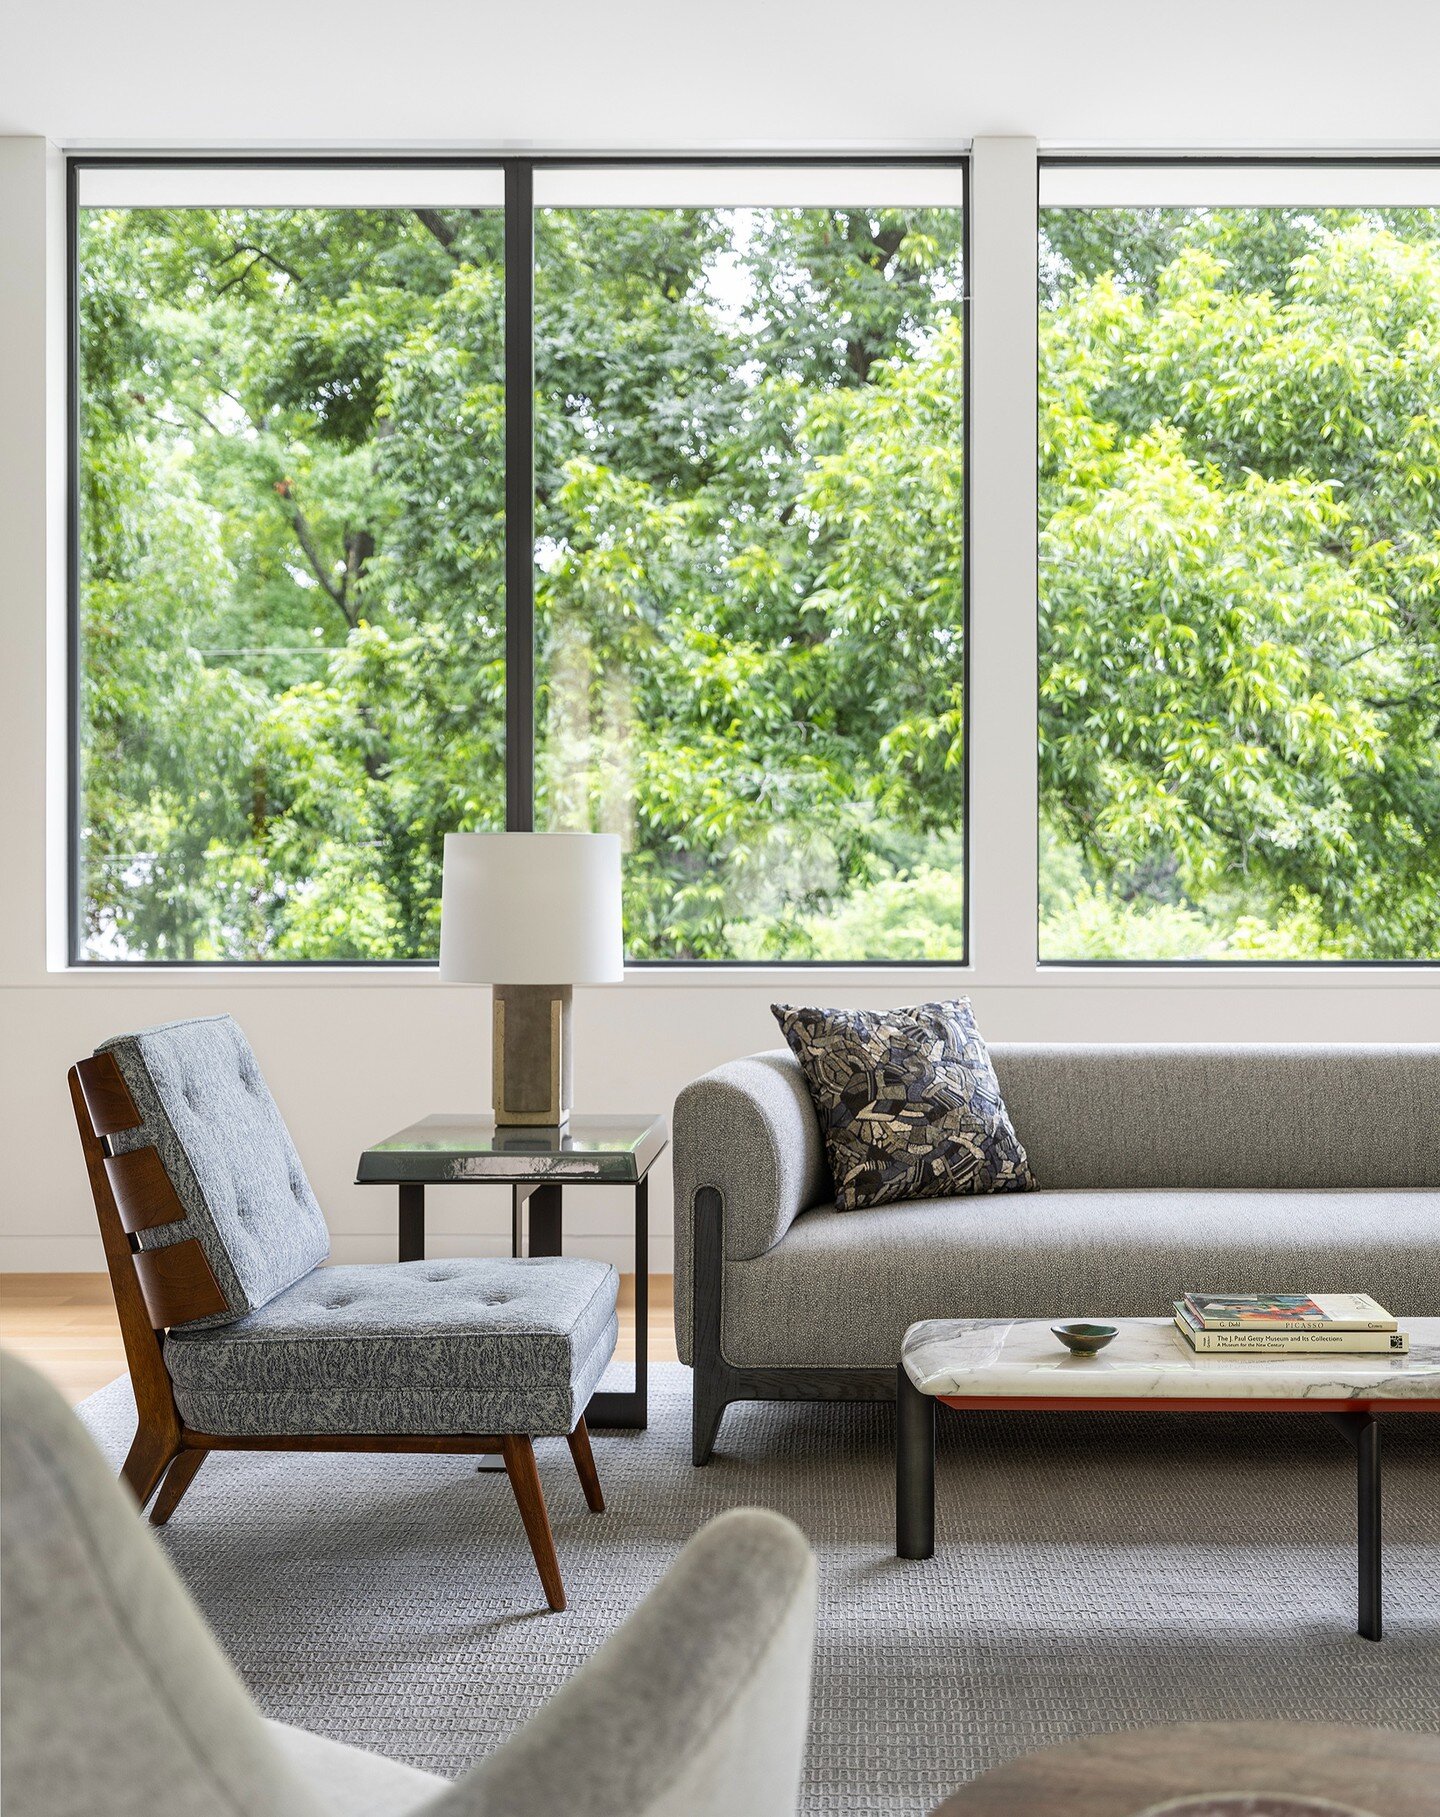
(915,1461)
(537,1165)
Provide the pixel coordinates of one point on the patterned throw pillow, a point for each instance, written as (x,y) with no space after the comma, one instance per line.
(908,1101)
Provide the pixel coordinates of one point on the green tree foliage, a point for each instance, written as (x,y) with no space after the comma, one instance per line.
(1239,616)
(729,459)
(291,625)
(749,577)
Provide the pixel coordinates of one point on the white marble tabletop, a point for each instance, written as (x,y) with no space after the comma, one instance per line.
(1150,1360)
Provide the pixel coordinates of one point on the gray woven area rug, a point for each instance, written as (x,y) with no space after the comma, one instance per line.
(1093,1574)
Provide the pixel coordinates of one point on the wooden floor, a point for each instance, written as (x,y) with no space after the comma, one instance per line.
(64,1324)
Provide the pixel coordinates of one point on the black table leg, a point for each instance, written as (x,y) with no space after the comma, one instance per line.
(1367,1457)
(412,1222)
(642,1294)
(628,1410)
(914,1469)
(1363,1432)
(545,1221)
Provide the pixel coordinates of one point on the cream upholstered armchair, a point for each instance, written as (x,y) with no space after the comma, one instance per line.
(116,1698)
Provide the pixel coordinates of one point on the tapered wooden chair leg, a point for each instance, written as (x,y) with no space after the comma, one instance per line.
(149,1458)
(178,1479)
(519,1456)
(579,1443)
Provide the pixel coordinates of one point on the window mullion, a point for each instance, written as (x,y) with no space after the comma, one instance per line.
(519,496)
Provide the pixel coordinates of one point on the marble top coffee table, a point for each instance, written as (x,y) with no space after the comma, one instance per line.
(1149,1368)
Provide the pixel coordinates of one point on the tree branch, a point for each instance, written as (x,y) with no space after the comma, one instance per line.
(259,256)
(877,250)
(886,243)
(155,416)
(1422,697)
(306,539)
(359,547)
(239,278)
(196,411)
(435,223)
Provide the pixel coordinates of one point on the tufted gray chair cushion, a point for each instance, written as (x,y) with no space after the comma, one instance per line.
(207,1109)
(469,1344)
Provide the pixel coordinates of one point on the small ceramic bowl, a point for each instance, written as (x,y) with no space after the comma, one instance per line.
(1083,1337)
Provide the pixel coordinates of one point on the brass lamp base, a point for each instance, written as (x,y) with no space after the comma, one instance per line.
(533,1068)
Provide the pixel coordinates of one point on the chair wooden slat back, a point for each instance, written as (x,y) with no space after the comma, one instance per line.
(144,1197)
(154,1288)
(108,1104)
(177,1283)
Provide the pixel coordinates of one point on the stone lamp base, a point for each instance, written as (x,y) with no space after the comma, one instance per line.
(533,1066)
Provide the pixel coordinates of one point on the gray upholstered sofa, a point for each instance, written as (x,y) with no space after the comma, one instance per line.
(1159,1168)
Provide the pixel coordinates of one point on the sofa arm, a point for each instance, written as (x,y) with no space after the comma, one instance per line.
(697,1707)
(749,1131)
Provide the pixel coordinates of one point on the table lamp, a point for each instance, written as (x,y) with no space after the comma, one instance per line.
(531,914)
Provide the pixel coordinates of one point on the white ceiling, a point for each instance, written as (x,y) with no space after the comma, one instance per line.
(671,74)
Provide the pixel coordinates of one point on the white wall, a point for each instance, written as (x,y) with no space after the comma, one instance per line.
(352,1055)
(734,72)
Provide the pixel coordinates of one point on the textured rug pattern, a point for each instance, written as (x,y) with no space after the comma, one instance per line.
(1092,1573)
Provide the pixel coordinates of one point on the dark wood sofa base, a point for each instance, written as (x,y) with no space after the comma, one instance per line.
(717,1381)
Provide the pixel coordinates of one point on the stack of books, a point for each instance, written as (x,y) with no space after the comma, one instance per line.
(1288,1324)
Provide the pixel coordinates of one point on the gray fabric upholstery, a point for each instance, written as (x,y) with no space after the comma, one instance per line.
(1231,1116)
(843,1286)
(1089,1116)
(748,1129)
(348,1780)
(228,1154)
(117,1700)
(447,1345)
(702,1699)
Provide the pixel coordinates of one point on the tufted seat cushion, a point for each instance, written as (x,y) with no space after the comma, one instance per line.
(206,1108)
(474,1345)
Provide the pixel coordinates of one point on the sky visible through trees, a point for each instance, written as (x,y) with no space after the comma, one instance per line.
(749,577)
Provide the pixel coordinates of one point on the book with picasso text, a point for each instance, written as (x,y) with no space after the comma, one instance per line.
(1331,1312)
(1290,1343)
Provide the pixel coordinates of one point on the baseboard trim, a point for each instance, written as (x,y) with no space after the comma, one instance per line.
(78,1254)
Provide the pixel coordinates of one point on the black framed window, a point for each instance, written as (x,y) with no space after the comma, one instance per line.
(414,497)
(1239,627)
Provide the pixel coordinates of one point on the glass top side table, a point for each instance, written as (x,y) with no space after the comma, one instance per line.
(536,1164)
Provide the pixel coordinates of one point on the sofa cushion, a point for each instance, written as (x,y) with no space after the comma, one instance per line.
(471,1345)
(841,1288)
(907,1101)
(205,1106)
(1225,1115)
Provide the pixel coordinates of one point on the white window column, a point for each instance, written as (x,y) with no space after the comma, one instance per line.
(32,534)
(1002,280)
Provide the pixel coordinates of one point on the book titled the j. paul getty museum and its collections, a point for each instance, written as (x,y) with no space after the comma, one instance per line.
(1289,1324)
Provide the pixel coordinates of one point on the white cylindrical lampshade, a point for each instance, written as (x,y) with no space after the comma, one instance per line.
(531,908)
